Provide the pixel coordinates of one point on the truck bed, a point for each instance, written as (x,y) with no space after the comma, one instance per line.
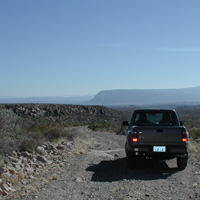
(148,135)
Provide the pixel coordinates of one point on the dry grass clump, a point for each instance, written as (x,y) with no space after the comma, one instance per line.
(193,148)
(54,177)
(82,145)
(21,175)
(31,189)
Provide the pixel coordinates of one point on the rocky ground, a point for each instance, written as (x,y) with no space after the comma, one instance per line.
(63,114)
(93,166)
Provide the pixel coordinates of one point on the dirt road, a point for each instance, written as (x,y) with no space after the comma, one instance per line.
(97,170)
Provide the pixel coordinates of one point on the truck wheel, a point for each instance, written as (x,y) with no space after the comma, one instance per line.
(182,162)
(131,159)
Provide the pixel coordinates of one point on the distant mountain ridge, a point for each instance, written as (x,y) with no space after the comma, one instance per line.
(147,96)
(119,97)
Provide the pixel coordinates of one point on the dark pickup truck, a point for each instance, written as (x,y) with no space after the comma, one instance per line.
(156,134)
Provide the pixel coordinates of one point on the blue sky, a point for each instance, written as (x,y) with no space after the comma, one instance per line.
(80,47)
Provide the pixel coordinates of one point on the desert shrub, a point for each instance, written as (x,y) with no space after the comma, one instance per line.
(7,145)
(28,144)
(55,133)
(102,127)
(8,120)
(195,133)
(28,140)
(51,132)
(8,130)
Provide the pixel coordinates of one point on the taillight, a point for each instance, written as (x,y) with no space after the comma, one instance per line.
(135,137)
(184,137)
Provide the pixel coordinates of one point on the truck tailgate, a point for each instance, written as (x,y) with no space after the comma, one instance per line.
(159,135)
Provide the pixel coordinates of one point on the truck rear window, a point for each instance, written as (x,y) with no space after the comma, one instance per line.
(155,118)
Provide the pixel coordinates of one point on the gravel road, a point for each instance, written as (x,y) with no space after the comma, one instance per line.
(97,170)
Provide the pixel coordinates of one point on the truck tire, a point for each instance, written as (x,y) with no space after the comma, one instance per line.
(131,159)
(182,162)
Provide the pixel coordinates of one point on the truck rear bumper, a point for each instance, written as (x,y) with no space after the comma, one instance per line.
(170,151)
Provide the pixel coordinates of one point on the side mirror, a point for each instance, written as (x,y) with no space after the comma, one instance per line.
(181,123)
(125,123)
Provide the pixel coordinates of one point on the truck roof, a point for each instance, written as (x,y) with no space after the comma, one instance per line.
(154,110)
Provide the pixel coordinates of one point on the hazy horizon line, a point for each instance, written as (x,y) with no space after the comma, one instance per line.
(92,95)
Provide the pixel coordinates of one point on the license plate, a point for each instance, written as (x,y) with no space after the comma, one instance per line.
(159,149)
